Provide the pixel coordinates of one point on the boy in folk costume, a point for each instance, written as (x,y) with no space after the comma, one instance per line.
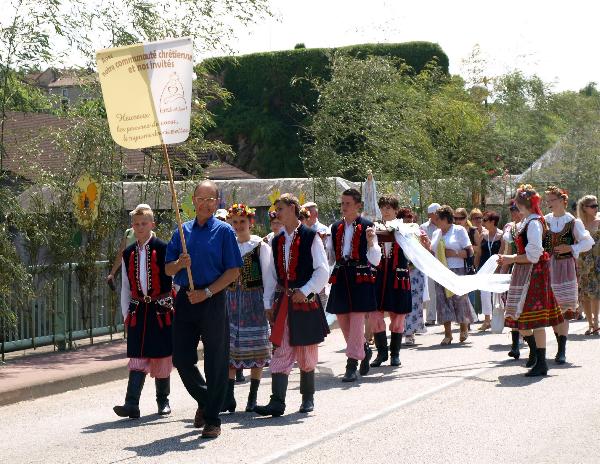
(392,290)
(354,248)
(300,267)
(147,306)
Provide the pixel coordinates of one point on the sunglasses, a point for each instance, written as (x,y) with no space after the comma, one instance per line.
(592,206)
(476,218)
(460,218)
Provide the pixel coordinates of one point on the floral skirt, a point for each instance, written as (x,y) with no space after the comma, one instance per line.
(414,320)
(530,302)
(456,308)
(249,330)
(589,273)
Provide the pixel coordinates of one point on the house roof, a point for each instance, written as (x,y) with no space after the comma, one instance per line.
(30,149)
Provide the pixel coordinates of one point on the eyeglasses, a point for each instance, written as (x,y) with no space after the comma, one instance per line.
(460,218)
(476,218)
(592,206)
(204,200)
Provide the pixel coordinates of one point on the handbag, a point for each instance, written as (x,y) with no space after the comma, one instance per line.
(497,325)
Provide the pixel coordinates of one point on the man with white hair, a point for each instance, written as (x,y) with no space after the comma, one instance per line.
(430,227)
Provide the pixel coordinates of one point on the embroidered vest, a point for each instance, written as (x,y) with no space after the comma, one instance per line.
(358,250)
(564,237)
(251,274)
(158,282)
(300,265)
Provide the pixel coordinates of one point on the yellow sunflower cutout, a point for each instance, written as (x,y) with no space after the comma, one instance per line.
(273,197)
(86,197)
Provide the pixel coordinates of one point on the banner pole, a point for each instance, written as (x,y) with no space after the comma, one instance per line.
(176,208)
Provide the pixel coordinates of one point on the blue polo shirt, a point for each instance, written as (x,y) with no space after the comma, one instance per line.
(212,247)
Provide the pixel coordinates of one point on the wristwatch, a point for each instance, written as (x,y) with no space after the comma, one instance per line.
(208,292)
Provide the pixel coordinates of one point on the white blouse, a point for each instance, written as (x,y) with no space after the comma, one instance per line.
(266,257)
(534,248)
(583,239)
(456,238)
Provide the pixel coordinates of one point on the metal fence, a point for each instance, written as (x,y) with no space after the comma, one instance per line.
(58,317)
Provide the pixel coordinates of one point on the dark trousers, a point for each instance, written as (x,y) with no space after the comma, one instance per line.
(206,321)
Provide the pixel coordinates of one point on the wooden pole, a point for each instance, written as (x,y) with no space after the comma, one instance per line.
(177,215)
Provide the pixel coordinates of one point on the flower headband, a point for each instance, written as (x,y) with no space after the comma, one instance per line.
(240,209)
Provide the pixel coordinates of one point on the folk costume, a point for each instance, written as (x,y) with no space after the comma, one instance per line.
(565,230)
(147,306)
(299,263)
(509,236)
(353,292)
(530,303)
(249,344)
(393,292)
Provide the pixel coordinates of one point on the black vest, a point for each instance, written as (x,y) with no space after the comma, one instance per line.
(157,248)
(337,234)
(304,267)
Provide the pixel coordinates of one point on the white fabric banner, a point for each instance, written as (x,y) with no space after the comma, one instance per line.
(407,236)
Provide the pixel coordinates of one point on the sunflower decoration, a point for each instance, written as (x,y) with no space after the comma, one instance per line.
(302,198)
(86,198)
(273,197)
(240,209)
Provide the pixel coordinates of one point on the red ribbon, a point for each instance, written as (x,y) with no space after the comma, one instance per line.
(279,326)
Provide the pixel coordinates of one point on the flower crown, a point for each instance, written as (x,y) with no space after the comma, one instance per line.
(240,209)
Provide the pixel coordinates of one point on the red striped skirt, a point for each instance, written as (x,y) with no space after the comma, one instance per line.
(539,308)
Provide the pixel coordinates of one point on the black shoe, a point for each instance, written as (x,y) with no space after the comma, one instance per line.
(131,407)
(276,406)
(515,352)
(350,374)
(229,404)
(530,339)
(239,375)
(307,388)
(540,368)
(364,364)
(163,389)
(561,354)
(251,404)
(395,344)
(382,349)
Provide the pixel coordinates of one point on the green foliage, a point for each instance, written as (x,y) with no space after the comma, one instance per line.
(272,91)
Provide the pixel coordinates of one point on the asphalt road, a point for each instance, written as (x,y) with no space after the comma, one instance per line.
(466,403)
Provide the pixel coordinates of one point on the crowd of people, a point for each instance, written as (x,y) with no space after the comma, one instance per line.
(261,302)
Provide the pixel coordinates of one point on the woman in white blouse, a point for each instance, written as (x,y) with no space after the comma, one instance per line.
(530,304)
(567,238)
(451,246)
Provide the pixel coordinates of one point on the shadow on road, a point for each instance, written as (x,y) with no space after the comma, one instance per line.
(152,419)
(166,445)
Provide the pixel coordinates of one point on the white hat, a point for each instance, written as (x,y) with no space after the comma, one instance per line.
(433,207)
(221,214)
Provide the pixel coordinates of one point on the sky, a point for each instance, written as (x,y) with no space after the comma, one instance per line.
(557,40)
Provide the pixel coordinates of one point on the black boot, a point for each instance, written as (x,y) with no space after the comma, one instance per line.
(515,352)
(251,404)
(382,349)
(229,404)
(307,388)
(561,354)
(239,375)
(163,388)
(131,408)
(364,364)
(530,339)
(276,406)
(540,368)
(350,374)
(395,344)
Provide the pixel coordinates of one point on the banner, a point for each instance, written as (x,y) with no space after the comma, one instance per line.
(147,90)
(407,237)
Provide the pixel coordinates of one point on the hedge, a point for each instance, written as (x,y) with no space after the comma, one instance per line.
(264,115)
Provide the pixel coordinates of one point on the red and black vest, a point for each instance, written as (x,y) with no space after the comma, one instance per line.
(300,265)
(358,250)
(158,282)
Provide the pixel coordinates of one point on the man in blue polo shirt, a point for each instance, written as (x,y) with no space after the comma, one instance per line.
(215,261)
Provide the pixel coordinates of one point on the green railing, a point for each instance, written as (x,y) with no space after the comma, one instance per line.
(59,317)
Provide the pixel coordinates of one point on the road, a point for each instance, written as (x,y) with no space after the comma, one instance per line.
(466,403)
